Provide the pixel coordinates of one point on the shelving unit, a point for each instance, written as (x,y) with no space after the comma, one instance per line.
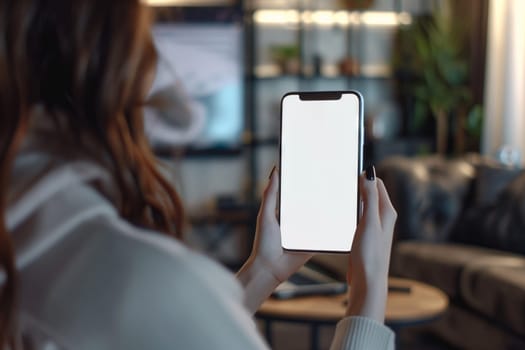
(325,36)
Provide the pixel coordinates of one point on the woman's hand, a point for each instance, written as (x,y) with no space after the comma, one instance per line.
(370,256)
(268,264)
(267,249)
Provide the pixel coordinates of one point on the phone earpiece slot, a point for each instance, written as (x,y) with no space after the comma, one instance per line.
(322,95)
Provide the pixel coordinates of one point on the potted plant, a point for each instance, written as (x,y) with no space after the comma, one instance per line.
(431,68)
(287,58)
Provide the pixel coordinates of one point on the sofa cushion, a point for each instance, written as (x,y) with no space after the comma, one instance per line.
(495,287)
(491,179)
(428,193)
(500,224)
(438,264)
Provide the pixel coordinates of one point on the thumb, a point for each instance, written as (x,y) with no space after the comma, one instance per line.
(369,193)
(369,198)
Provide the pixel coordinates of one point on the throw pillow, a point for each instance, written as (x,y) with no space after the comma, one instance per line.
(499,224)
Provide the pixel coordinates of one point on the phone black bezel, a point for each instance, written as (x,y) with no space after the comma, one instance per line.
(321,96)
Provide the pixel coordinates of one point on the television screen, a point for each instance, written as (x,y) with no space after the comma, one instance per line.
(197,91)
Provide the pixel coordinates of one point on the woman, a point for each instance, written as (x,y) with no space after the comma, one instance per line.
(82,203)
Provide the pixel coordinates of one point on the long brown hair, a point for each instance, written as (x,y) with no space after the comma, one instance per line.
(87,66)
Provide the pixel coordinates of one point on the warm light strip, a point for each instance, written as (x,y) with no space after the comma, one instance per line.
(276,16)
(330,18)
(379,18)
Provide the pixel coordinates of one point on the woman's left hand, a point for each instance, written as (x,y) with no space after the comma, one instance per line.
(267,250)
(269,264)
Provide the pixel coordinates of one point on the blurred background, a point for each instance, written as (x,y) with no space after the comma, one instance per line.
(444,85)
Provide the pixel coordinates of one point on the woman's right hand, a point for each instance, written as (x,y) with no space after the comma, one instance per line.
(370,257)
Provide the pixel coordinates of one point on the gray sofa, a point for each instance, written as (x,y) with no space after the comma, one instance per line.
(461,228)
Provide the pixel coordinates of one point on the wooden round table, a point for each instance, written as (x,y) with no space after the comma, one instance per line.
(408,303)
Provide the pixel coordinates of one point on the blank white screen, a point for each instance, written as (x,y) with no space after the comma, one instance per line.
(319,173)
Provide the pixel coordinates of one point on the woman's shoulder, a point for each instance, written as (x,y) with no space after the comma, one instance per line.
(110,275)
(135,253)
(56,212)
(164,254)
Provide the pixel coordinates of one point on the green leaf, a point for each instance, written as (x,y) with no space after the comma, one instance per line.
(475,121)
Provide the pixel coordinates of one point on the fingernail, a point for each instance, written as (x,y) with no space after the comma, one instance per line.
(370,172)
(271,173)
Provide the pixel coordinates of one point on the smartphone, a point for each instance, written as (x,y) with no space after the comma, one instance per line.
(320,161)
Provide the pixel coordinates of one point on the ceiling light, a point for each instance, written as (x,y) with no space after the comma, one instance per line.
(276,16)
(330,18)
